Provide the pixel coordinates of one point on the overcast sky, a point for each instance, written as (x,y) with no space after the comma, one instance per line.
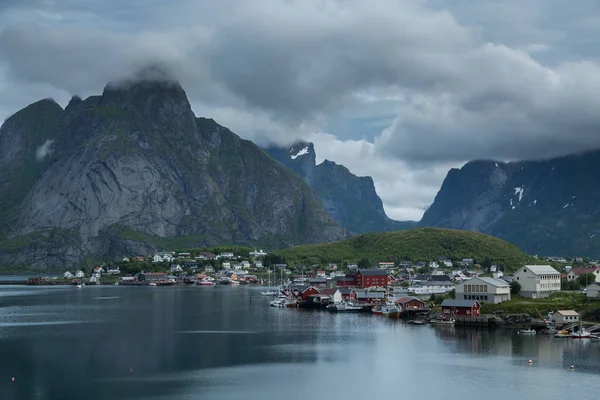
(401,90)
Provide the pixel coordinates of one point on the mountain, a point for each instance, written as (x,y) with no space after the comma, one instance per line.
(133,169)
(417,244)
(349,199)
(545,207)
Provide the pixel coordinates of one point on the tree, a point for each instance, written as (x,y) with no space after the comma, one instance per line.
(515,287)
(364,264)
(452,294)
(404,284)
(586,279)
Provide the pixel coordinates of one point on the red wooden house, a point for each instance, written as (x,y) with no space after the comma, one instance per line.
(460,308)
(371,277)
(410,303)
(303,292)
(348,294)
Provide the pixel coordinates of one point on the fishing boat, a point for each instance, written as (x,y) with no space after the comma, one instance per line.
(416,322)
(527,331)
(579,332)
(390,310)
(276,303)
(269,292)
(152,284)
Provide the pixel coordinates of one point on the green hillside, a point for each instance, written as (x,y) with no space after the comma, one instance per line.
(419,244)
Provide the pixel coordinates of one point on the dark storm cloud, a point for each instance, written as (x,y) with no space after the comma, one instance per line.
(463,79)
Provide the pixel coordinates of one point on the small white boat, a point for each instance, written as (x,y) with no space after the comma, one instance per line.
(152,284)
(204,282)
(390,310)
(527,332)
(78,286)
(416,322)
(277,303)
(451,321)
(579,332)
(269,293)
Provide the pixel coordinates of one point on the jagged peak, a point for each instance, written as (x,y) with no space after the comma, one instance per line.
(40,106)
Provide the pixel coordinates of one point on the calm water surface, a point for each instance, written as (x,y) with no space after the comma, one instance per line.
(226,343)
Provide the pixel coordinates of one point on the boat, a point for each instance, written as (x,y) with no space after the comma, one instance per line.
(390,310)
(562,334)
(527,332)
(377,310)
(152,284)
(269,292)
(78,286)
(416,322)
(579,332)
(204,282)
(279,302)
(436,321)
(344,307)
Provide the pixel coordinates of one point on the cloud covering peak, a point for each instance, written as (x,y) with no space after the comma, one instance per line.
(407,86)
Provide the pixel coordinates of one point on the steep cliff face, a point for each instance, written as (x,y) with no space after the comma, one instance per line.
(118,173)
(351,200)
(545,207)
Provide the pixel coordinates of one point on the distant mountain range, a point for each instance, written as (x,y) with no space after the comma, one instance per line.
(351,200)
(545,207)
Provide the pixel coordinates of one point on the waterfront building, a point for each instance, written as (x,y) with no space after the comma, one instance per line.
(537,281)
(484,290)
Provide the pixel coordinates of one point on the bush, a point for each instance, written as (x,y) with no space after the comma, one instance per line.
(515,287)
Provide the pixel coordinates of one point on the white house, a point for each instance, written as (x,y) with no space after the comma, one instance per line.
(113,270)
(447,263)
(561,317)
(79,274)
(176,268)
(593,291)
(184,255)
(434,265)
(258,264)
(226,266)
(68,275)
(238,267)
(259,253)
(126,259)
(97,270)
(245,264)
(209,269)
(227,255)
(157,258)
(432,287)
(484,290)
(537,281)
(386,265)
(335,295)
(577,272)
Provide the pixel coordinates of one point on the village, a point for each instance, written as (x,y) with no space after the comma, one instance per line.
(443,291)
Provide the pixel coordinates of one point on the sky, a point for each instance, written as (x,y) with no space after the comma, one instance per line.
(400,90)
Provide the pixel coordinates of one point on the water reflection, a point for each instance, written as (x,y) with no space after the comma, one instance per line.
(227,343)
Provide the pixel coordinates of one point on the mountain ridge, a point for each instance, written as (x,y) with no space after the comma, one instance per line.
(351,200)
(546,207)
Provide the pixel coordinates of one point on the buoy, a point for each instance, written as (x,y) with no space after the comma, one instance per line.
(572,367)
(530,362)
(130,369)
(12,379)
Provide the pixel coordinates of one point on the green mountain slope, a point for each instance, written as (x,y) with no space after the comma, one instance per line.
(419,244)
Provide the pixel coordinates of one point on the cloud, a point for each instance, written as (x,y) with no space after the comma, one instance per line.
(413,86)
(44,150)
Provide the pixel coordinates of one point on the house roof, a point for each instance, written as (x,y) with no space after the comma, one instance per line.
(440,278)
(329,291)
(370,295)
(581,271)
(346,291)
(154,274)
(491,281)
(403,300)
(541,269)
(566,313)
(373,272)
(458,303)
(421,277)
(318,295)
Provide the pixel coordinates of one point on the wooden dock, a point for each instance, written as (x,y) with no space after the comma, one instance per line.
(482,321)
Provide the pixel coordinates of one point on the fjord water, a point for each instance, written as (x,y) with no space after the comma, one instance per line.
(110,342)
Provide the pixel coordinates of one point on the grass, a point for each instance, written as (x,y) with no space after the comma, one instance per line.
(176,242)
(418,244)
(556,301)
